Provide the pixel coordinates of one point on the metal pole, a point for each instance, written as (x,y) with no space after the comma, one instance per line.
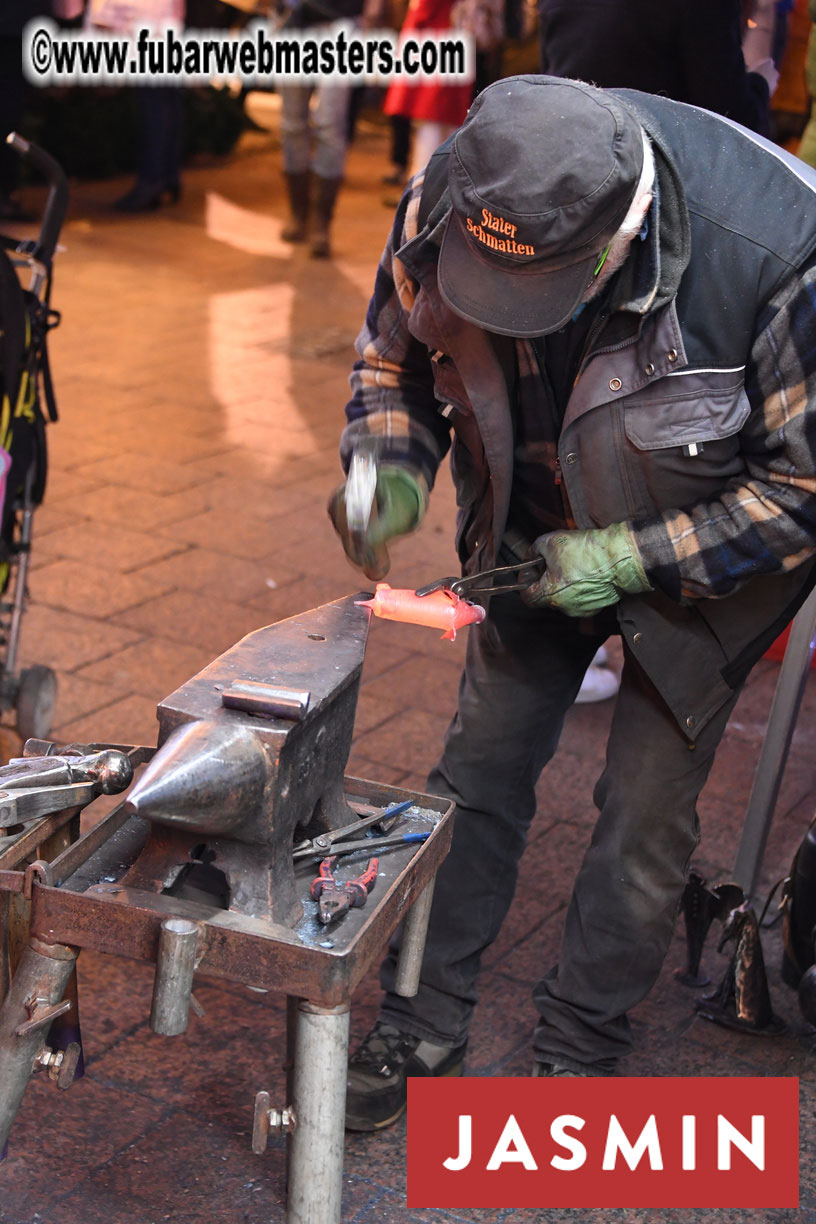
(173,984)
(319,1101)
(39,982)
(292,1013)
(412,947)
(774,754)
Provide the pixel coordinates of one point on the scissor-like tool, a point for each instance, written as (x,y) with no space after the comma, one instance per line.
(525,574)
(325,843)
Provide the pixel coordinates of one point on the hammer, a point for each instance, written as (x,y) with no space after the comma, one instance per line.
(361,507)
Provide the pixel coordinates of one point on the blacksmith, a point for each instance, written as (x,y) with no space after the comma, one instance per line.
(604,304)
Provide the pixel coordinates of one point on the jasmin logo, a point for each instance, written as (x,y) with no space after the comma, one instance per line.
(617,1142)
(570,1153)
(486,229)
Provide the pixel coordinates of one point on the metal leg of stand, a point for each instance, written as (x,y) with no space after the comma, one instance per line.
(319,1101)
(412,948)
(39,982)
(773,757)
(292,1016)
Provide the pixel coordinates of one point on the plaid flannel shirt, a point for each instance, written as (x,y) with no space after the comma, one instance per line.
(763,521)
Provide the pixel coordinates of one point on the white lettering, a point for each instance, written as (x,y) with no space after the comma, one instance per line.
(728,1135)
(689,1141)
(616,1140)
(511,1148)
(558,1131)
(462,1160)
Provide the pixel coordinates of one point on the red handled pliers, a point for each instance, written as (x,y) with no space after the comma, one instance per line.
(333,899)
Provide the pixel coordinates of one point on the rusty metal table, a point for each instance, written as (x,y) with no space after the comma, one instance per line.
(84,899)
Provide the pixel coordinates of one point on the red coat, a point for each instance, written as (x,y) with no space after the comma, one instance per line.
(426,98)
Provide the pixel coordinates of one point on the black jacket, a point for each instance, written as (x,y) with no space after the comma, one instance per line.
(689,50)
(663,377)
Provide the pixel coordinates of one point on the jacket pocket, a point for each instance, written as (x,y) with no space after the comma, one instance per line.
(680,440)
(687,409)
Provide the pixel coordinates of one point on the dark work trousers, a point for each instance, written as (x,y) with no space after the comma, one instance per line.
(522,673)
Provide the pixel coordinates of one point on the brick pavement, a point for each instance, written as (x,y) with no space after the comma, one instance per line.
(201,371)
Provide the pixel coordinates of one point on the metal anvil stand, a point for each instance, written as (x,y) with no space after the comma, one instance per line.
(112,889)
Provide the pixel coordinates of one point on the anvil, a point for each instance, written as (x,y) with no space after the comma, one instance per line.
(251,750)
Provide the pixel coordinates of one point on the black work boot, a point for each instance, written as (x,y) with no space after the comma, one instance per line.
(325,198)
(297,189)
(378,1072)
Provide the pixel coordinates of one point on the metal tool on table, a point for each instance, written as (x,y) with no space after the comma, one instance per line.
(335,898)
(37,786)
(525,574)
(381,843)
(383,820)
(32,787)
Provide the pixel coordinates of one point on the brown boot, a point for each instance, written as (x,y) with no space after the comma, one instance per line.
(297,187)
(325,197)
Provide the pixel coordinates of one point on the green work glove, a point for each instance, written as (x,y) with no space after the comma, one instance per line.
(400,503)
(586,570)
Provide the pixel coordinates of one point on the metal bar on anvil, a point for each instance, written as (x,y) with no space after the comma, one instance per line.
(127,922)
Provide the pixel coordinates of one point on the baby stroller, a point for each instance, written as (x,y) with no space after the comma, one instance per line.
(26,401)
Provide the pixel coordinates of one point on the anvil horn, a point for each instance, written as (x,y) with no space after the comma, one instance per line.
(204,778)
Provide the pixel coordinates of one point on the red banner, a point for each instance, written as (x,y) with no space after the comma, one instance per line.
(616,1142)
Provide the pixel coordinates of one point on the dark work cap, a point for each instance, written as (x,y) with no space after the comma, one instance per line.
(541,176)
